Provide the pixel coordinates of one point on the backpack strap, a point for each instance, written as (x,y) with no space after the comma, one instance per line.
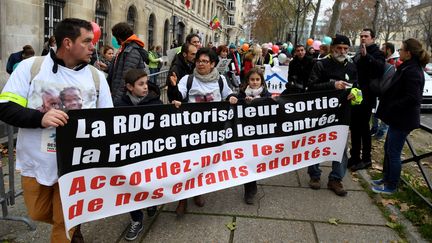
(35,68)
(96,79)
(221,85)
(189,85)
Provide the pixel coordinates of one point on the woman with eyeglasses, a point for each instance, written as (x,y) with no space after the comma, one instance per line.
(400,108)
(205,84)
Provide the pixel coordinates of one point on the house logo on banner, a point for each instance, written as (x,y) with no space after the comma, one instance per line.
(276,78)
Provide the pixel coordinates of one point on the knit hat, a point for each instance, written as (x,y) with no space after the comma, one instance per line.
(232,46)
(341,39)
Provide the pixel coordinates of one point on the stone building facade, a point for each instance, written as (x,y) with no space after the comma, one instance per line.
(156,22)
(419,23)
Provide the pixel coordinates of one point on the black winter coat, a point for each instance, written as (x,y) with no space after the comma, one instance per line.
(150,99)
(129,58)
(369,67)
(326,71)
(299,71)
(399,107)
(153,98)
(181,68)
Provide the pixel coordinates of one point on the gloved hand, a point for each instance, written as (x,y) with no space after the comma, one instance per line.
(357,96)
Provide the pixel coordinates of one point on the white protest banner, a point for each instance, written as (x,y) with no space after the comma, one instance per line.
(113,161)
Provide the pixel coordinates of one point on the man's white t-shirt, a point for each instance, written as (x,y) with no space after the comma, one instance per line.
(66,89)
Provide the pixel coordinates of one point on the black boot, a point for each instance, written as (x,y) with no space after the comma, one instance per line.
(361,166)
(352,162)
(151,211)
(250,192)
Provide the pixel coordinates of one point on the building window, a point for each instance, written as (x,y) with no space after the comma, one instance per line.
(179,33)
(205,12)
(131,17)
(231,5)
(231,20)
(151,30)
(53,15)
(199,7)
(101,19)
(166,36)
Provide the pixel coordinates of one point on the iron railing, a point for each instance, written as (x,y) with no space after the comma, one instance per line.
(417,159)
(160,79)
(8,195)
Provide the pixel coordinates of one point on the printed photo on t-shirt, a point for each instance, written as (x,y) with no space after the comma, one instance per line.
(62,96)
(47,95)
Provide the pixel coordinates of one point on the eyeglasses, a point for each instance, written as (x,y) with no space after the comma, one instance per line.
(202,61)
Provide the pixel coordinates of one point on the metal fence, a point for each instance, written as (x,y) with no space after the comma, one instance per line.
(160,79)
(417,159)
(9,193)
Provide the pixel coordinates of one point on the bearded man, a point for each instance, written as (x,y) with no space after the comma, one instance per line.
(336,71)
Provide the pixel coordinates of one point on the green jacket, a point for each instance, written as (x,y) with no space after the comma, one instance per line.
(153,58)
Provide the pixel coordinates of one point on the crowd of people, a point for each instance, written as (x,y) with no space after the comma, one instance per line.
(64,80)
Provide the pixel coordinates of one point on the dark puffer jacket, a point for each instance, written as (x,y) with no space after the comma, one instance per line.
(369,67)
(399,107)
(129,58)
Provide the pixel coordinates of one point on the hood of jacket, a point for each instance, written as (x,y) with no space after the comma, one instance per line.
(393,56)
(133,38)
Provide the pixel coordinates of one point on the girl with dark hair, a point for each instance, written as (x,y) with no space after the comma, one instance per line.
(400,109)
(253,88)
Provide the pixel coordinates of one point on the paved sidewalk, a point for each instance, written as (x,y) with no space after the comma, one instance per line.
(286,210)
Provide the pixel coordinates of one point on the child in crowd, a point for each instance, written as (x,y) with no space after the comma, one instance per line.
(139,92)
(254,87)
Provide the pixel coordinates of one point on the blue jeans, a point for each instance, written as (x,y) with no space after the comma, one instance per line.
(393,146)
(378,127)
(338,169)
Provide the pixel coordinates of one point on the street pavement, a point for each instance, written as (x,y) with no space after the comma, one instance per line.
(285,210)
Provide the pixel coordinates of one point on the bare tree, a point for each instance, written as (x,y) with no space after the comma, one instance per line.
(273,19)
(315,18)
(355,15)
(306,6)
(335,17)
(375,19)
(391,18)
(425,19)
